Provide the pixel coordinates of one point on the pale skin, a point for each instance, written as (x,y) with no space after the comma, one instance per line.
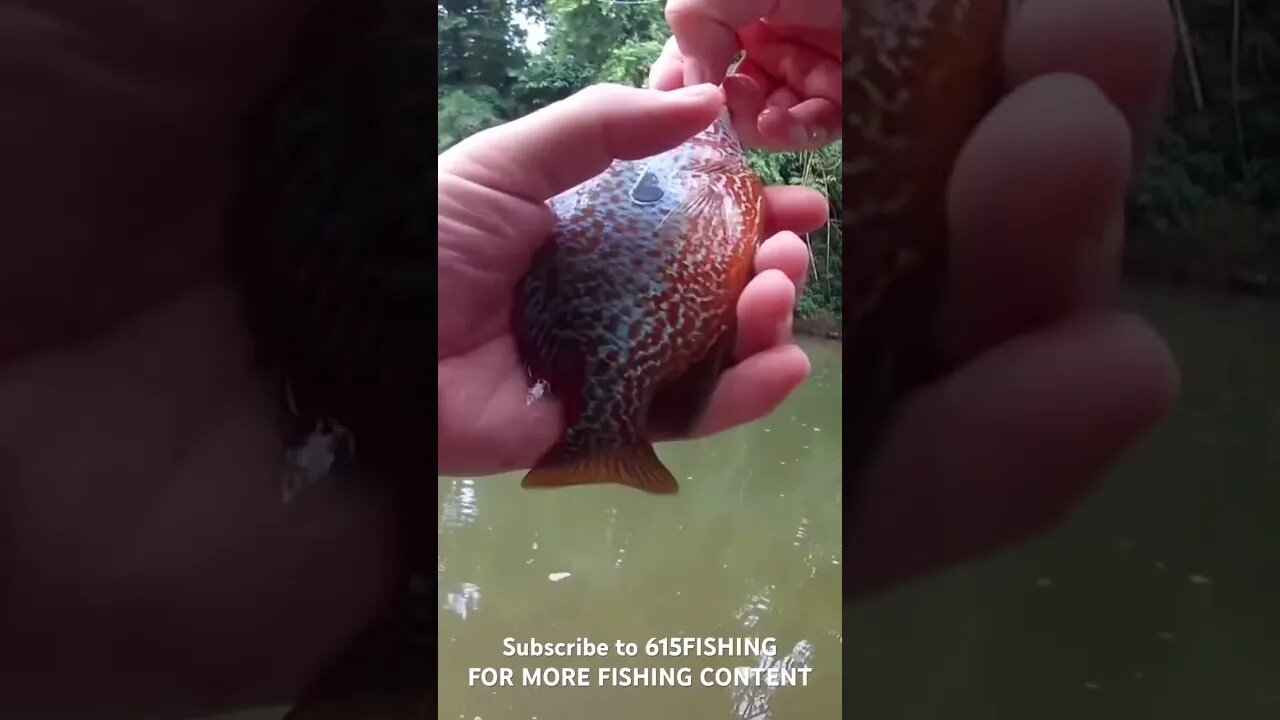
(146,561)
(792,57)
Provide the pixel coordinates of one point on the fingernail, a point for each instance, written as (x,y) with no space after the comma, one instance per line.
(773,123)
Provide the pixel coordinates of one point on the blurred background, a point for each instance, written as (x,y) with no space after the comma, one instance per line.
(1160,597)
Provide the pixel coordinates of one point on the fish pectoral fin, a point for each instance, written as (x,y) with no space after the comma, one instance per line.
(679,404)
(634,466)
(705,206)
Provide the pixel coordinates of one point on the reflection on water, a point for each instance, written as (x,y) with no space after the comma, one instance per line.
(458,507)
(1159,598)
(753,701)
(462,601)
(756,607)
(749,548)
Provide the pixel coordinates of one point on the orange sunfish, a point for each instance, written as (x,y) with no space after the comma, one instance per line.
(628,311)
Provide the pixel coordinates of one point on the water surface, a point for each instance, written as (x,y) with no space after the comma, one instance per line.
(1159,598)
(751,547)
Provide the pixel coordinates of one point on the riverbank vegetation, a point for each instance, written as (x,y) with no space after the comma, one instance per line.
(1207,206)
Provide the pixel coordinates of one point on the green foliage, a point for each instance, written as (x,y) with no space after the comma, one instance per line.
(465,111)
(479,43)
(1207,201)
(487,77)
(549,78)
(590,41)
(819,170)
(629,64)
(590,31)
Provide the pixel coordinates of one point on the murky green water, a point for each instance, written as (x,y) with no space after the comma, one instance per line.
(1159,599)
(751,547)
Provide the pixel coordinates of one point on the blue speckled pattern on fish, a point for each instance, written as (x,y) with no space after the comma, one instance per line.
(628,310)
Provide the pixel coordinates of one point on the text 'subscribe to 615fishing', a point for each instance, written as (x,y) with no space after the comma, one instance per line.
(550,664)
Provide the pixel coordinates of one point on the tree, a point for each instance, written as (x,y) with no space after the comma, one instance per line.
(1206,206)
(480,43)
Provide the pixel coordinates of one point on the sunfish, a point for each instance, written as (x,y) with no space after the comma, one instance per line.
(628,311)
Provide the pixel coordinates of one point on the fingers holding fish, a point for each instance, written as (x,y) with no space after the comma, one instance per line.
(768,302)
(1045,36)
(764,313)
(802,84)
(753,388)
(781,266)
(808,125)
(786,252)
(794,208)
(1050,387)
(706,34)
(708,31)
(1015,439)
(1033,196)
(781,121)
(1078,121)
(803,59)
(785,94)
(667,72)
(568,142)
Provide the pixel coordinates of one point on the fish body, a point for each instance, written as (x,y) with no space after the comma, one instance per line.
(628,311)
(918,77)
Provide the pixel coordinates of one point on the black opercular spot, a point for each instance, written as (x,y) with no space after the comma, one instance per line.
(647,190)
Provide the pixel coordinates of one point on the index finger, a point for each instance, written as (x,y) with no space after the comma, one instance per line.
(707,30)
(1072,118)
(1046,37)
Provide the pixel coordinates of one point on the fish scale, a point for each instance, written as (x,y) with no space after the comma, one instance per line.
(636,290)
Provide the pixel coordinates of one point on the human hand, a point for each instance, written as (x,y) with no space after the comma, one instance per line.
(1051,386)
(787,96)
(493,216)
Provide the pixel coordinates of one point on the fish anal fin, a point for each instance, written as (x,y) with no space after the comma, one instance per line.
(635,466)
(679,404)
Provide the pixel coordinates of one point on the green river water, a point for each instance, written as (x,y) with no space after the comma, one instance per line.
(751,547)
(1158,599)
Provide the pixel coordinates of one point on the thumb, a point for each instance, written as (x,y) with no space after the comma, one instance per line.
(569,142)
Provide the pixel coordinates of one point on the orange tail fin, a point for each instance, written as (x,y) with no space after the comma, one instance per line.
(635,466)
